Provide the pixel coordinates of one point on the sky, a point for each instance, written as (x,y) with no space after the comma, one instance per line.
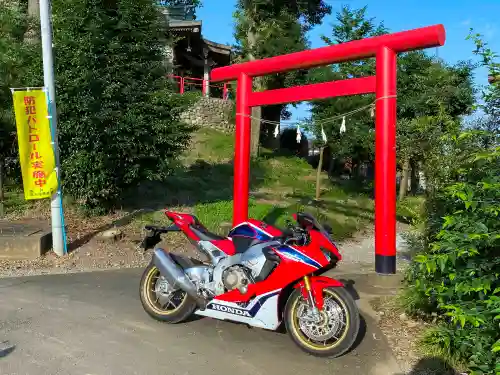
(457,16)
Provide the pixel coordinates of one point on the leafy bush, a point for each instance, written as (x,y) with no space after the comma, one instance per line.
(457,277)
(119,123)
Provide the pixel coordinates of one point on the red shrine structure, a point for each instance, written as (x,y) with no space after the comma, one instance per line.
(385,49)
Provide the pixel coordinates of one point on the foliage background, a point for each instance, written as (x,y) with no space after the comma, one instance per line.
(119,123)
(456,275)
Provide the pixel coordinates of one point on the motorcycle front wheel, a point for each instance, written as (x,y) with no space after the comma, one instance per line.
(336,330)
(161,301)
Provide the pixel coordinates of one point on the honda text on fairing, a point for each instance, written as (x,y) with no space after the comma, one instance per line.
(257,275)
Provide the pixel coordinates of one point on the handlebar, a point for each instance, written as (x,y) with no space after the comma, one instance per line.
(295,234)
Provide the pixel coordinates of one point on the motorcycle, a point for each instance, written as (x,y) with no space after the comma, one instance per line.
(258,275)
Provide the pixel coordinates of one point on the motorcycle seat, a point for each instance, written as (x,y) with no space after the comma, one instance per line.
(203,233)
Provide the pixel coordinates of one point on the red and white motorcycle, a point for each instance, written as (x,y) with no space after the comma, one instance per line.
(258,275)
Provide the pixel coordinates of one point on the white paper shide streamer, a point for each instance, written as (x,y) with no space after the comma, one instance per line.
(299,134)
(323,135)
(276,131)
(342,127)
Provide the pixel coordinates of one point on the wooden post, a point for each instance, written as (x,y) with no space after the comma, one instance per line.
(2,195)
(403,184)
(318,173)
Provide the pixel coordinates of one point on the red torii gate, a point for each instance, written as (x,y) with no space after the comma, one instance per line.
(384,48)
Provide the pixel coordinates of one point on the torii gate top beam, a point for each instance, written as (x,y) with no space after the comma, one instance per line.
(404,41)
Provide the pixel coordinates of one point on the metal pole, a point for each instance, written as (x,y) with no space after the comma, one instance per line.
(385,162)
(242,150)
(58,242)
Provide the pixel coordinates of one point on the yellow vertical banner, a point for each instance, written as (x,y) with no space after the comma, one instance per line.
(35,143)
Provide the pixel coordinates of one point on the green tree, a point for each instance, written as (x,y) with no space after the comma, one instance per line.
(431,97)
(20,66)
(358,141)
(266,28)
(491,94)
(118,123)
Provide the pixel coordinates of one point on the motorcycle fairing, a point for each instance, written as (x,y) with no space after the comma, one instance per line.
(261,312)
(259,305)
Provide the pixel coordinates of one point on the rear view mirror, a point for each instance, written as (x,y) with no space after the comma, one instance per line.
(328,228)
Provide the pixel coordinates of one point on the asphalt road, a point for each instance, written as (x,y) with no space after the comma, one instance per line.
(93,324)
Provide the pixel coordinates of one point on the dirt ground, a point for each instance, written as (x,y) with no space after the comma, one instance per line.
(87,250)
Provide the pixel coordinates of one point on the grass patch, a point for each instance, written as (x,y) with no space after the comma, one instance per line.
(280,186)
(410,209)
(210,145)
(14,201)
(218,216)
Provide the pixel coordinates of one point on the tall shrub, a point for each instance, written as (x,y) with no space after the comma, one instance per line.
(118,122)
(458,275)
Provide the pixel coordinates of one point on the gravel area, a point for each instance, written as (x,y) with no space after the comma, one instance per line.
(403,334)
(360,250)
(88,252)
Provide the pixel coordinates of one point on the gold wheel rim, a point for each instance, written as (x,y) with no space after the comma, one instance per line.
(149,293)
(304,340)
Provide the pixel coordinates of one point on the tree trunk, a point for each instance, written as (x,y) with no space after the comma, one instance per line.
(403,185)
(415,181)
(318,173)
(30,35)
(255,132)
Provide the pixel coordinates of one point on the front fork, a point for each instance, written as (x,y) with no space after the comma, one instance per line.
(311,289)
(310,297)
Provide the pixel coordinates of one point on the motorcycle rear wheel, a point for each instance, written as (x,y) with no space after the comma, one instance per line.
(172,307)
(337,331)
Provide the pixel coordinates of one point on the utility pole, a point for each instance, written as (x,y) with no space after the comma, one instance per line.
(58,234)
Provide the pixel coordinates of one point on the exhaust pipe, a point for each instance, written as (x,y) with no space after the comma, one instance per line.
(176,277)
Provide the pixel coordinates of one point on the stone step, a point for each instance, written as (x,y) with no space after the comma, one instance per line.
(24,240)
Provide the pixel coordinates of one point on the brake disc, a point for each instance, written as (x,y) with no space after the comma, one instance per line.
(332,318)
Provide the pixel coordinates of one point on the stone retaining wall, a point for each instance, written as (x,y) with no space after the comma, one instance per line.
(211,112)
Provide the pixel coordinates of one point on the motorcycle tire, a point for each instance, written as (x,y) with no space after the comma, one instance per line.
(348,329)
(177,315)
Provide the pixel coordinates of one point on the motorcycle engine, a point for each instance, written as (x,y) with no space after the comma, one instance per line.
(236,277)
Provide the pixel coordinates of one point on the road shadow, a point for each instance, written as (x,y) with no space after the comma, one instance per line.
(432,366)
(349,287)
(8,349)
(361,334)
